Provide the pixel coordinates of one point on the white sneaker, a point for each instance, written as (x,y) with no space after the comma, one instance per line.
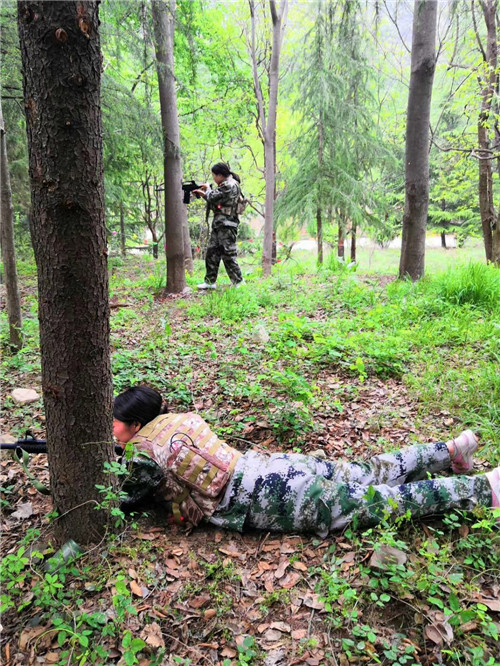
(237,285)
(494,480)
(465,445)
(206,285)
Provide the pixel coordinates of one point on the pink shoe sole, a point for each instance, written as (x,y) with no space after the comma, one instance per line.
(494,481)
(465,445)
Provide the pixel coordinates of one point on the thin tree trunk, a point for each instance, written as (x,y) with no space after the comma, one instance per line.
(491,233)
(267,125)
(319,221)
(175,211)
(423,62)
(341,239)
(60,50)
(8,248)
(353,242)
(443,233)
(122,230)
(188,251)
(319,234)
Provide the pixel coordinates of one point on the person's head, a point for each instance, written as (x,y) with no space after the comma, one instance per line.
(221,171)
(134,408)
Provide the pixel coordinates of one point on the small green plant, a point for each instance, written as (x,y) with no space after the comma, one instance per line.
(131,647)
(112,496)
(247,651)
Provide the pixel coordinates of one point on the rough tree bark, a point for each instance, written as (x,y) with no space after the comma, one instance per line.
(319,234)
(122,231)
(319,219)
(8,248)
(489,86)
(60,50)
(341,237)
(354,230)
(423,62)
(175,211)
(267,125)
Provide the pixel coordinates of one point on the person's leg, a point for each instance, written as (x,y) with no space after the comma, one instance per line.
(289,493)
(409,464)
(229,253)
(213,257)
(412,463)
(368,506)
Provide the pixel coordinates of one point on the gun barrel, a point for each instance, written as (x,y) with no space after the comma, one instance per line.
(38,446)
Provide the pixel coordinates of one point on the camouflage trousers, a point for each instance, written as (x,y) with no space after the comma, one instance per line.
(297,493)
(222,245)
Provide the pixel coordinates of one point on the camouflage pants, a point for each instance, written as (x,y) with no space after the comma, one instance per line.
(222,245)
(297,493)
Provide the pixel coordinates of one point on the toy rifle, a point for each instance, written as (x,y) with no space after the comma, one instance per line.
(32,445)
(187,188)
(144,476)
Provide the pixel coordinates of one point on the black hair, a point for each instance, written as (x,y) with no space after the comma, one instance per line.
(222,169)
(138,404)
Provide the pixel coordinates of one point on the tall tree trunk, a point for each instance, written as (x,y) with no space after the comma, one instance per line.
(423,63)
(319,234)
(61,57)
(175,211)
(319,220)
(341,238)
(488,83)
(188,250)
(267,124)
(122,230)
(353,242)
(443,233)
(8,248)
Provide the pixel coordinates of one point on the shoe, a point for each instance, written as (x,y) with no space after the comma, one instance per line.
(465,445)
(494,481)
(237,285)
(206,285)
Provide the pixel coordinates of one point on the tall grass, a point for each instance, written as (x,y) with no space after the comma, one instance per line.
(475,284)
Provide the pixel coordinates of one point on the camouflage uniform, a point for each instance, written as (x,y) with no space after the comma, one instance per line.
(297,493)
(191,498)
(222,244)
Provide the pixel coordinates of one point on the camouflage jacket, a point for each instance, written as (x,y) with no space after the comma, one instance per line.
(224,203)
(197,465)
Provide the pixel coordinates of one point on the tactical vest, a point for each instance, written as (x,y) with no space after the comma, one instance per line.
(229,209)
(196,463)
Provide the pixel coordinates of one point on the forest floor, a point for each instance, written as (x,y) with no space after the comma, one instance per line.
(347,363)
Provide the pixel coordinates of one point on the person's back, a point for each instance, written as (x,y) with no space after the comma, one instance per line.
(195,462)
(224,203)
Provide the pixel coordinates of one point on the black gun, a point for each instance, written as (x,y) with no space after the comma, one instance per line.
(32,446)
(187,188)
(145,475)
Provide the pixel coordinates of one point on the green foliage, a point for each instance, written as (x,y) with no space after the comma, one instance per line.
(247,651)
(230,306)
(338,141)
(476,285)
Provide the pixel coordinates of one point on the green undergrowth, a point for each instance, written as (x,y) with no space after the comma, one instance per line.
(87,611)
(439,336)
(276,355)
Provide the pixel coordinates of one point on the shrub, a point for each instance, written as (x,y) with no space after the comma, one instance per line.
(475,284)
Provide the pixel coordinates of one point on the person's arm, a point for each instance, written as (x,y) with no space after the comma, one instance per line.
(219,196)
(202,191)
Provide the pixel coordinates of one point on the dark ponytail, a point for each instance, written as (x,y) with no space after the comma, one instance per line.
(138,404)
(222,169)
